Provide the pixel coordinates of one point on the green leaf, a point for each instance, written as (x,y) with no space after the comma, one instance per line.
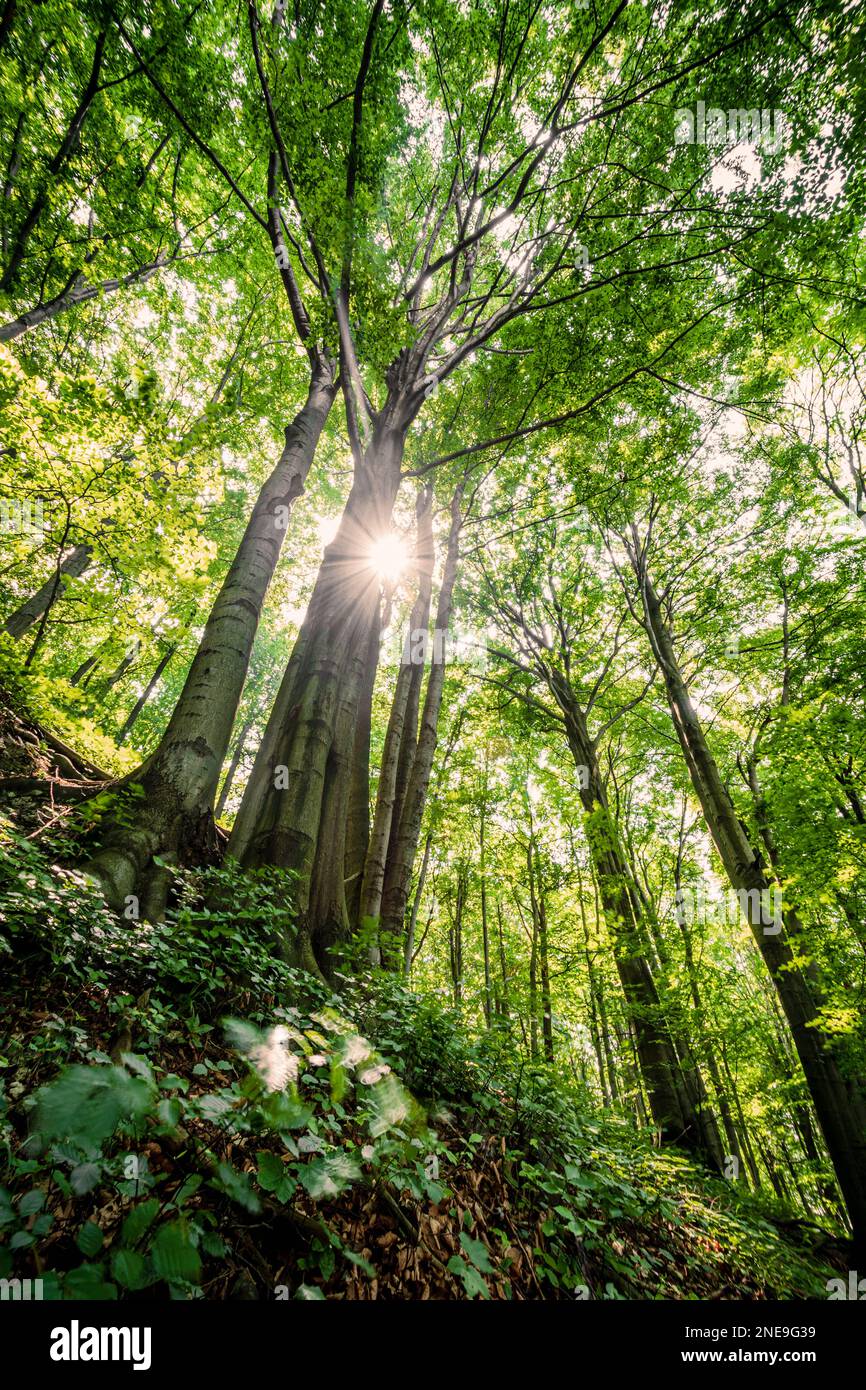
(236,1185)
(360,1261)
(477,1252)
(130,1269)
(272,1174)
(87,1283)
(89,1239)
(174,1256)
(138,1221)
(86,1104)
(31,1202)
(84,1177)
(471,1279)
(329,1176)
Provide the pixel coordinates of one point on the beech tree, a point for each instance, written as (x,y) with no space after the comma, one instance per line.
(432,511)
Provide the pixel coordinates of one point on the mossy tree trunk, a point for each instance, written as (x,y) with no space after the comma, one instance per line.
(171,814)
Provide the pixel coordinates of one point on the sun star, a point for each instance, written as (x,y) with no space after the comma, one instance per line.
(388,556)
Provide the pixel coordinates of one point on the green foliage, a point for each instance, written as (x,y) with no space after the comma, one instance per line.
(666,343)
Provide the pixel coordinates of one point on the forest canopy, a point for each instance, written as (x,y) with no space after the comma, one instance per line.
(433,604)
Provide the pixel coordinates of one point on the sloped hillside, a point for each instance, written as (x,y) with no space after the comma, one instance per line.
(184,1116)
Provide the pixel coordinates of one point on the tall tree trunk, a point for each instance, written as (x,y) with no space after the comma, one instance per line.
(67,145)
(485,929)
(74,565)
(123,666)
(539,933)
(838,1101)
(179,779)
(606,1038)
(702,1033)
(701,1028)
(455,941)
(401,733)
(595,1032)
(533,988)
(409,948)
(240,745)
(404,841)
(294,809)
(358,809)
(742,1127)
(674,1110)
(146,693)
(83,670)
(503,963)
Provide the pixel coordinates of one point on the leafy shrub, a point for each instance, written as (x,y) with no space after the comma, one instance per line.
(311,1111)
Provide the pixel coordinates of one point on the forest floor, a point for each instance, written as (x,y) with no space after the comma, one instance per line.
(480,1180)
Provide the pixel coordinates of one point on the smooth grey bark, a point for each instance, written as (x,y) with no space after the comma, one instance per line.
(240,745)
(146,693)
(81,291)
(294,810)
(400,732)
(404,841)
(838,1100)
(174,811)
(77,561)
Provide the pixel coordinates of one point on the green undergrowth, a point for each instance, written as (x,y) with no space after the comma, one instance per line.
(60,707)
(185,1115)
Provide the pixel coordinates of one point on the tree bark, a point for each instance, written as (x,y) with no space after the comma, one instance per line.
(673,1108)
(79,292)
(401,732)
(358,812)
(122,667)
(539,937)
(503,965)
(83,670)
(485,927)
(404,846)
(77,561)
(455,941)
(146,693)
(838,1101)
(409,949)
(293,813)
(229,778)
(607,1091)
(174,813)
